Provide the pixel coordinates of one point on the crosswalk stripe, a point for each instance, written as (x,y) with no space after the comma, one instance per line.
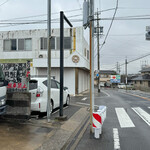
(143,114)
(124,119)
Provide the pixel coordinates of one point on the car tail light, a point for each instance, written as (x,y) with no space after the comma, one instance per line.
(38,95)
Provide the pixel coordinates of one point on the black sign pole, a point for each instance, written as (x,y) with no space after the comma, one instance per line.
(61,61)
(62,18)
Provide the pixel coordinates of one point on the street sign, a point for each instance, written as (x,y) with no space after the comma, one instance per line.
(97,74)
(115,79)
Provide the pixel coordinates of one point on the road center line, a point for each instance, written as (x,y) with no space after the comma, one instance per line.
(116,139)
(85,98)
(124,119)
(143,114)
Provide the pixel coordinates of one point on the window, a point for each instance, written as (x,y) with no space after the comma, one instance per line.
(141,82)
(88,54)
(18,44)
(58,85)
(67,43)
(44,43)
(10,45)
(135,82)
(25,44)
(53,84)
(33,84)
(21,44)
(13,44)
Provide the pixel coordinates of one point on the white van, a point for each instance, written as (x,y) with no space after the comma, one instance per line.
(3,89)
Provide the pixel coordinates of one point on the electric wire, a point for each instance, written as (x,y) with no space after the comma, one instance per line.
(40,15)
(110,26)
(4,3)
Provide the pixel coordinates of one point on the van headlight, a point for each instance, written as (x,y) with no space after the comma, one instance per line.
(2,102)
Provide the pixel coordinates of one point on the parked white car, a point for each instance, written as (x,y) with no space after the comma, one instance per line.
(121,86)
(38,89)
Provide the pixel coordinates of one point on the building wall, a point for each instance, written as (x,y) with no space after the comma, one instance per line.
(83,80)
(142,85)
(35,35)
(79,48)
(69,77)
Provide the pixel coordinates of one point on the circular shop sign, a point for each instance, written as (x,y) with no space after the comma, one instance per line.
(75,58)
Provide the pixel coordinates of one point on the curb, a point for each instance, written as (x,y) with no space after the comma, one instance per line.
(63,136)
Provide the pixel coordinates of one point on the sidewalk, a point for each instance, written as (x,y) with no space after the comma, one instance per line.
(37,134)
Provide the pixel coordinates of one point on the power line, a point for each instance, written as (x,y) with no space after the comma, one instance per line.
(126,18)
(110,25)
(40,15)
(127,34)
(131,8)
(4,2)
(79,4)
(145,55)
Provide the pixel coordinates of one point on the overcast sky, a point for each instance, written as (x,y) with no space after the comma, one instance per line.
(126,38)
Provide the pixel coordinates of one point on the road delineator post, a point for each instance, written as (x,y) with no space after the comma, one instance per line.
(98,120)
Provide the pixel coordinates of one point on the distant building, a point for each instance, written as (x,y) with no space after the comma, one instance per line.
(105,76)
(142,82)
(31,45)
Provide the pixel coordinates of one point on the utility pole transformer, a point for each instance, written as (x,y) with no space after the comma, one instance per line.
(85,13)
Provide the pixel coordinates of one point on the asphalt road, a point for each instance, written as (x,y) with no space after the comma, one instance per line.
(127,126)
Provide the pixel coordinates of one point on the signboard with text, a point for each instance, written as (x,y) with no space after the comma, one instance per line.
(17,75)
(115,79)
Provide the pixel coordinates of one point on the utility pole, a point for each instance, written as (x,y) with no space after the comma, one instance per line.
(126,72)
(91,63)
(49,60)
(117,67)
(98,52)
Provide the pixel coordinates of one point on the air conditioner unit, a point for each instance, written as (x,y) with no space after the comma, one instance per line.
(40,56)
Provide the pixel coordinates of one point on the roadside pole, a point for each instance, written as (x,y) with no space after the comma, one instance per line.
(62,18)
(98,52)
(126,72)
(49,60)
(91,63)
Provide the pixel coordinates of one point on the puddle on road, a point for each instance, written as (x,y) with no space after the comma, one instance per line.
(15,136)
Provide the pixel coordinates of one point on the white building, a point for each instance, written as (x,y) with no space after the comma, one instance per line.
(20,46)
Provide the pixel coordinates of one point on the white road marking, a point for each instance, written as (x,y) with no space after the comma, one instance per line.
(124,119)
(116,139)
(86,104)
(83,99)
(143,114)
(149,107)
(106,93)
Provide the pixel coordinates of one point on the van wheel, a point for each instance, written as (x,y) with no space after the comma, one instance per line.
(68,101)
